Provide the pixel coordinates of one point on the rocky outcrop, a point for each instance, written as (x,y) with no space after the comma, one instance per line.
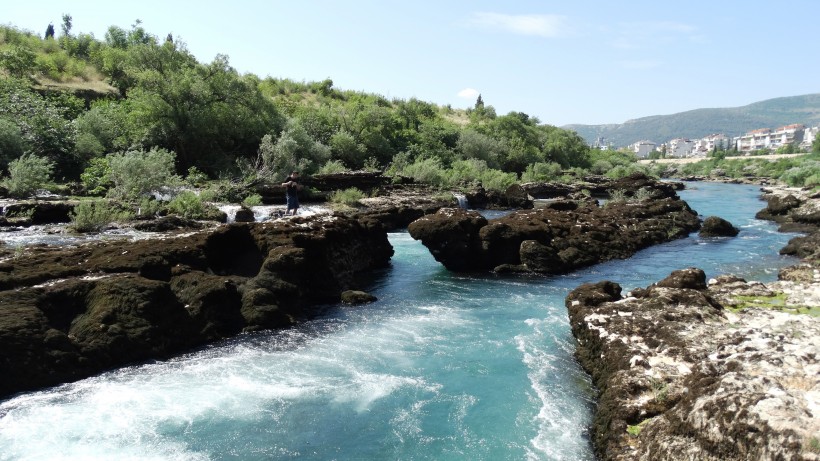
(562,236)
(683,374)
(714,226)
(67,313)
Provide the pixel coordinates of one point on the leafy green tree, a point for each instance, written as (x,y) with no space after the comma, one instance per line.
(295,150)
(204,113)
(564,147)
(28,174)
(473,144)
(11,142)
(43,127)
(343,146)
(815,145)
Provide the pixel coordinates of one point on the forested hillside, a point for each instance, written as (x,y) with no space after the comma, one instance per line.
(75,100)
(695,124)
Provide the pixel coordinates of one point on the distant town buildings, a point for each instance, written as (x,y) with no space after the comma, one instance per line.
(764,138)
(642,149)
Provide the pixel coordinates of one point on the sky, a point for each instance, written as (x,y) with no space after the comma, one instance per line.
(567,62)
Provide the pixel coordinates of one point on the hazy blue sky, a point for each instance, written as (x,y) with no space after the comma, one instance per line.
(564,62)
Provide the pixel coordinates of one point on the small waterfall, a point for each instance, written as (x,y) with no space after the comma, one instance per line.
(462,200)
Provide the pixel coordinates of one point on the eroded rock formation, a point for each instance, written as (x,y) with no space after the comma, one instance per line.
(67,313)
(683,378)
(563,236)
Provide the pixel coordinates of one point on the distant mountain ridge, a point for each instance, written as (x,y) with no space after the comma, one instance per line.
(695,124)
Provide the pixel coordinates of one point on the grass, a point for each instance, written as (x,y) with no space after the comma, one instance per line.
(635,430)
(777,301)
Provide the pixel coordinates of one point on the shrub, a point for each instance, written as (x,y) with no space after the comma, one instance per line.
(252,200)
(27,174)
(196,177)
(333,166)
(93,216)
(188,205)
(617,196)
(541,171)
(137,173)
(96,179)
(349,197)
(149,208)
(11,142)
(427,170)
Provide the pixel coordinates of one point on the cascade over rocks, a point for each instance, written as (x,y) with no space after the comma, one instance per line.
(68,313)
(682,377)
(563,236)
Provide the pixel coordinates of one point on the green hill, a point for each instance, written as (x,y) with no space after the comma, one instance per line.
(698,123)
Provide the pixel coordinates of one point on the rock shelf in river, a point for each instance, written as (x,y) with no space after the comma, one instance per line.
(562,236)
(682,376)
(68,313)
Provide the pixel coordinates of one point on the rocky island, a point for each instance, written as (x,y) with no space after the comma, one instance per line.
(565,234)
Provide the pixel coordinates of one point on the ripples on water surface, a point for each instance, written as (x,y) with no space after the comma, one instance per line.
(442,367)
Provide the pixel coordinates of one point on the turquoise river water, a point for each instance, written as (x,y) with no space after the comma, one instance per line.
(441,367)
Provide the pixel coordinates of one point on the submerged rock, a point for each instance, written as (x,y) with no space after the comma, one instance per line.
(714,226)
(67,313)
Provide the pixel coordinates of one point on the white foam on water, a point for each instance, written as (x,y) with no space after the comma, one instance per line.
(562,415)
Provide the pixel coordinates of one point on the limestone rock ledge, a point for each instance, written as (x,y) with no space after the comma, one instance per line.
(561,237)
(683,377)
(68,313)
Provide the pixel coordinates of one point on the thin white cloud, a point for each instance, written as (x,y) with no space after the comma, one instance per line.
(541,25)
(468,93)
(647,34)
(641,64)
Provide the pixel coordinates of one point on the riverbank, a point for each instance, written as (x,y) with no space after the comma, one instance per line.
(719,370)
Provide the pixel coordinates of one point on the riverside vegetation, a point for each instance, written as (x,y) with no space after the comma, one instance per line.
(167,123)
(88,112)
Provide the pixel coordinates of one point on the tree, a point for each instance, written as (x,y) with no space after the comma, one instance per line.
(45,130)
(66,25)
(49,32)
(479,103)
(295,150)
(11,142)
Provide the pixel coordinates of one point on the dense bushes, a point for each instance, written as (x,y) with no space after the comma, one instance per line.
(93,216)
(28,174)
(137,173)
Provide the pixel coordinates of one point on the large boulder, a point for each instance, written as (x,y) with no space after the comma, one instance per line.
(451,234)
(67,313)
(714,226)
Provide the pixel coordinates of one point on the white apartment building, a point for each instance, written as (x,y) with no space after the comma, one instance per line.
(679,147)
(642,149)
(808,137)
(703,146)
(765,138)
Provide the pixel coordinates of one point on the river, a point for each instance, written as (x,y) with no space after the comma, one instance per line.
(441,367)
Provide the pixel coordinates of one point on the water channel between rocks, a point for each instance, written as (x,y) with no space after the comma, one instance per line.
(442,367)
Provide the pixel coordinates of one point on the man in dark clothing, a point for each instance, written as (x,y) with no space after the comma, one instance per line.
(292,188)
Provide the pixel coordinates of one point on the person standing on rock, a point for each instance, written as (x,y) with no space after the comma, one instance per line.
(292,188)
